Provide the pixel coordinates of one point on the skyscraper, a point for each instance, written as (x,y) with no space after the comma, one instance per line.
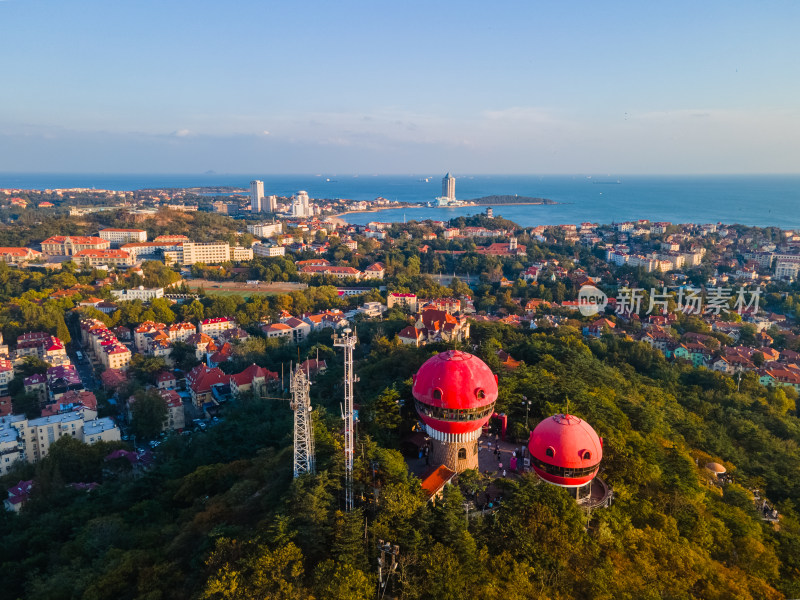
(449,187)
(300,207)
(271,203)
(256,195)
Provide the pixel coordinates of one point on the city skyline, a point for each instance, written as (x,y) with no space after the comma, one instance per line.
(527,88)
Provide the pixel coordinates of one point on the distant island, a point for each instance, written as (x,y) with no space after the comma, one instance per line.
(510,199)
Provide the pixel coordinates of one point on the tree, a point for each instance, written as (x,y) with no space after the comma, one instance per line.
(149,413)
(146,368)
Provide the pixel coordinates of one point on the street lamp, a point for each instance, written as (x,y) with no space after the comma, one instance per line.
(527,404)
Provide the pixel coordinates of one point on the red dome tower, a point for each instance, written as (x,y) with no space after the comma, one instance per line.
(455,394)
(565,451)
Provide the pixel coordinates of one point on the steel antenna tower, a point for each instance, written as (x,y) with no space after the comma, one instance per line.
(347,340)
(304,461)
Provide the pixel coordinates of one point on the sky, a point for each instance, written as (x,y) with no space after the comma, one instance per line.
(534,87)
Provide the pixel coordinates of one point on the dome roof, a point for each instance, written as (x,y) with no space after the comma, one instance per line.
(715,467)
(455,392)
(565,450)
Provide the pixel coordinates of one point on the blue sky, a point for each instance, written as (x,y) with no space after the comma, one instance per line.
(404,87)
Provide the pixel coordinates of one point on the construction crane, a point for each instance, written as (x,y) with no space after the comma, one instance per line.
(304,461)
(347,340)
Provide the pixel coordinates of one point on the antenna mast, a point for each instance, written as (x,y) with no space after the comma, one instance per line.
(347,340)
(304,461)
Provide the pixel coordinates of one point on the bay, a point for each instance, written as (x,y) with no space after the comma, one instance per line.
(756,200)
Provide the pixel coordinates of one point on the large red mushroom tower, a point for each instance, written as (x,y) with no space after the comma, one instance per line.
(455,393)
(565,451)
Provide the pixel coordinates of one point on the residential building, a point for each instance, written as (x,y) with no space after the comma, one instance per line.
(61,245)
(300,205)
(277,330)
(117,237)
(181,332)
(176,415)
(375,271)
(408,301)
(96,258)
(253,379)
(215,326)
(256,196)
(6,375)
(39,434)
(265,230)
(240,253)
(787,267)
(19,255)
(36,384)
(141,293)
(12,448)
(300,329)
(190,253)
(200,380)
(152,249)
(18,496)
(435,326)
(337,272)
(268,250)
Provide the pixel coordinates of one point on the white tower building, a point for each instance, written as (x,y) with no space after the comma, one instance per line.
(300,207)
(449,187)
(271,203)
(256,195)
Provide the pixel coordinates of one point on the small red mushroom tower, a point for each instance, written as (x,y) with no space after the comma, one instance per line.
(565,451)
(455,393)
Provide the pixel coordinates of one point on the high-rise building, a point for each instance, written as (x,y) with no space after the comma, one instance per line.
(300,206)
(256,195)
(449,187)
(271,203)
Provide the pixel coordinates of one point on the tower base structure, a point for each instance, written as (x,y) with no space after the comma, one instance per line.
(458,452)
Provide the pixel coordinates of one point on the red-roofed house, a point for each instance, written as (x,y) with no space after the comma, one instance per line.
(61,245)
(166,380)
(277,330)
(18,255)
(18,495)
(254,379)
(199,381)
(103,257)
(375,271)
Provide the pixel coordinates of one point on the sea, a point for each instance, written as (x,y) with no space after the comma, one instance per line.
(755,200)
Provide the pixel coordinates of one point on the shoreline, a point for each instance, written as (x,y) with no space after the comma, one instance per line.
(381,208)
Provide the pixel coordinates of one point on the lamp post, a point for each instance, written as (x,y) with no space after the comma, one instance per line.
(527,404)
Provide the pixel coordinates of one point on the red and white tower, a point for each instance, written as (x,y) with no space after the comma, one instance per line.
(455,393)
(565,451)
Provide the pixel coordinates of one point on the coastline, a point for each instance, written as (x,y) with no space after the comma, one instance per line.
(338,216)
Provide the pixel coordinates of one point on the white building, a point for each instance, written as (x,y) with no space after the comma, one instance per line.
(265,230)
(38,435)
(118,237)
(241,253)
(141,293)
(256,196)
(12,448)
(268,250)
(190,253)
(787,267)
(449,187)
(300,205)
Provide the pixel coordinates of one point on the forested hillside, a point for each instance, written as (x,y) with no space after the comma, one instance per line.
(219,515)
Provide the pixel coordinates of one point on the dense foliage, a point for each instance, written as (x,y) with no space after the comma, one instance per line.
(219,516)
